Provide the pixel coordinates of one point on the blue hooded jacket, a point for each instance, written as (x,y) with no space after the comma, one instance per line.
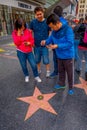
(64,38)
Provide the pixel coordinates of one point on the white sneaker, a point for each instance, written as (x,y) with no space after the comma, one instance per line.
(48,74)
(26,79)
(38,79)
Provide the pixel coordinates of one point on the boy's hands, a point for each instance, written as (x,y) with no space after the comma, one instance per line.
(43,42)
(51,46)
(27,43)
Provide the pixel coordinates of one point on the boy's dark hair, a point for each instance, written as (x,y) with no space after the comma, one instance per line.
(18,23)
(38,8)
(58,10)
(53,18)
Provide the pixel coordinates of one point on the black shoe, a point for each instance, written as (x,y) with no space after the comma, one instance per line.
(85,76)
(77,71)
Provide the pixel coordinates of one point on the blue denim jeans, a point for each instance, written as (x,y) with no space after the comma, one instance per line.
(82,54)
(41,52)
(23,57)
(55,60)
(76,43)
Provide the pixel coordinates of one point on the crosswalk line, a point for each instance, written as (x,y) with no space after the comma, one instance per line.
(2,50)
(11,44)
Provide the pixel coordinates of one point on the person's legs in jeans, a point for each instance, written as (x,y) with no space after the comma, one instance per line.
(62,75)
(37,53)
(55,62)
(76,43)
(85,56)
(32,62)
(79,61)
(23,62)
(69,65)
(33,65)
(45,56)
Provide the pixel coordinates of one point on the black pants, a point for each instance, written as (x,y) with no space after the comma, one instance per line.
(66,66)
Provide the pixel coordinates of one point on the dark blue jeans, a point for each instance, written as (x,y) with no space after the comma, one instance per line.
(55,60)
(23,57)
(82,54)
(76,43)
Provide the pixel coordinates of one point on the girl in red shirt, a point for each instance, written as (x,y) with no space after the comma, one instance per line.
(24,42)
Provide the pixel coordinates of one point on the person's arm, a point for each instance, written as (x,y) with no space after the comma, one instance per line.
(67,41)
(16,38)
(28,38)
(52,46)
(49,43)
(31,39)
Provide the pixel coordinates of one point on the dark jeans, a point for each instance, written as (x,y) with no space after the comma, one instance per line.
(82,54)
(23,57)
(55,62)
(66,66)
(76,43)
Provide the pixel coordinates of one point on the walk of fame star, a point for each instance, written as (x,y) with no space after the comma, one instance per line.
(82,85)
(37,101)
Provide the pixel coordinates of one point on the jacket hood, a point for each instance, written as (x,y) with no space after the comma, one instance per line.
(63,21)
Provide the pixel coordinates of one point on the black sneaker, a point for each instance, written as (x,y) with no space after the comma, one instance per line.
(77,71)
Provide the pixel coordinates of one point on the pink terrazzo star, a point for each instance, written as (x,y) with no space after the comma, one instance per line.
(82,85)
(37,101)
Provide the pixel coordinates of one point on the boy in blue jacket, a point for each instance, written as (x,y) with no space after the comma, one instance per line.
(62,40)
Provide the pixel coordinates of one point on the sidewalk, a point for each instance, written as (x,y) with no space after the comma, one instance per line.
(38,106)
(5,39)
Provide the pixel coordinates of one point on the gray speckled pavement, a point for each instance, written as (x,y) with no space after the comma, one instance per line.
(71,110)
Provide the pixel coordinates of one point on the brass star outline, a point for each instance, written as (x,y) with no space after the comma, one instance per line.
(37,101)
(82,85)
